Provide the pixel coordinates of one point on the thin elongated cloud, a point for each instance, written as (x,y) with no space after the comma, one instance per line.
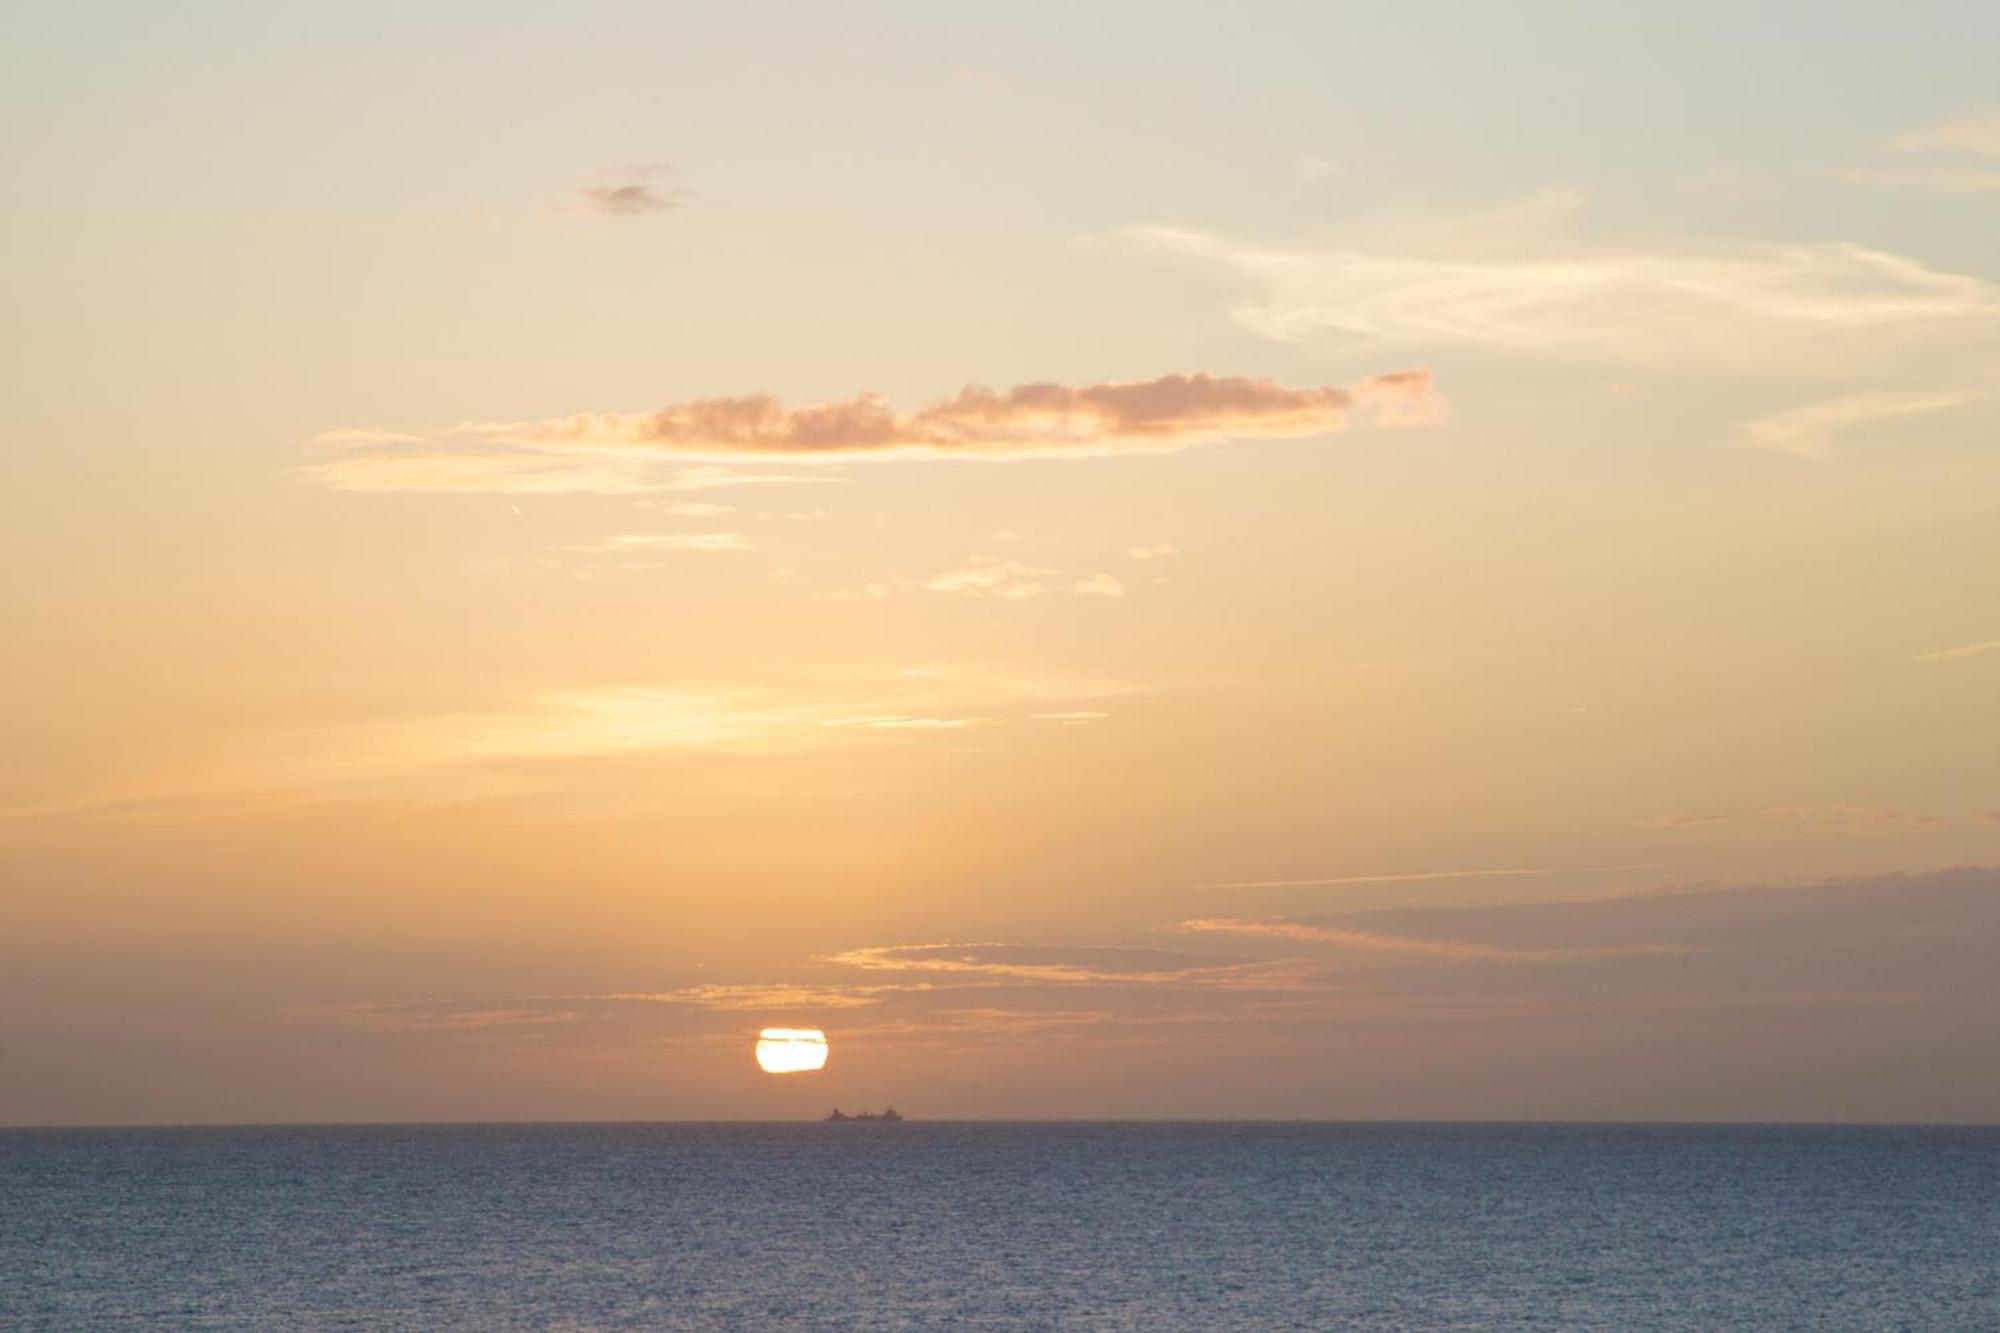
(622,452)
(1809,431)
(1057,964)
(1977,134)
(1525,281)
(1957,155)
(533,742)
(1962,650)
(645,543)
(1420,876)
(1377,942)
(622,200)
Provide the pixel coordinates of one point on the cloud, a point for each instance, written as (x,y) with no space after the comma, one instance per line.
(989,576)
(1017,581)
(364,435)
(547,740)
(1976,134)
(619,201)
(1780,823)
(1059,964)
(1074,716)
(617,453)
(1807,431)
(897,723)
(1157,551)
(434,1015)
(1958,155)
(1419,876)
(1522,281)
(688,508)
(1963,650)
(1377,942)
(1927,177)
(641,543)
(765,996)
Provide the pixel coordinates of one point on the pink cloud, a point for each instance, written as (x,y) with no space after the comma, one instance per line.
(614,450)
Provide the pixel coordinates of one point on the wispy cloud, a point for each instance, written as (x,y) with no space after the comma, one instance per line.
(896,722)
(627,191)
(1157,551)
(990,576)
(1962,650)
(620,453)
(1525,281)
(1376,942)
(1976,134)
(1057,964)
(767,997)
(644,543)
(1957,155)
(1810,430)
(541,741)
(1805,820)
(1017,581)
(614,201)
(1421,876)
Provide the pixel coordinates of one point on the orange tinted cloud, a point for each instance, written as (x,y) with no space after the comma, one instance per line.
(608,451)
(1406,944)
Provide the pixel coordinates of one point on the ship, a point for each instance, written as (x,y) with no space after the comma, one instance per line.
(844,1118)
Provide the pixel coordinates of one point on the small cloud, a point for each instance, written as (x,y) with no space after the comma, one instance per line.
(1045,963)
(688,508)
(989,576)
(1954,654)
(1311,169)
(1808,431)
(1957,155)
(1677,821)
(1157,551)
(902,723)
(717,478)
(1928,178)
(1098,585)
(1976,135)
(1462,950)
(1783,823)
(640,543)
(621,201)
(364,436)
(1422,876)
(1075,717)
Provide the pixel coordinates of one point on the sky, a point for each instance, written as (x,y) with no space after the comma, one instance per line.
(1304,560)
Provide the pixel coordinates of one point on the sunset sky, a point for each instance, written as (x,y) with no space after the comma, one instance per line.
(1127,560)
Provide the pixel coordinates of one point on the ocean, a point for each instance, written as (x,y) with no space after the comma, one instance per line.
(1001,1226)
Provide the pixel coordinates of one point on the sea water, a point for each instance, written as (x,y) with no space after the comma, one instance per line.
(1001,1226)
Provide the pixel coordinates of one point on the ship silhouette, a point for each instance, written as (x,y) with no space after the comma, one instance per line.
(843,1117)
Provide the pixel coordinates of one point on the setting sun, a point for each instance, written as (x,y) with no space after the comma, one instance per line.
(791,1050)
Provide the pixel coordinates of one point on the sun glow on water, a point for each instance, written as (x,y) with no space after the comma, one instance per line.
(791,1050)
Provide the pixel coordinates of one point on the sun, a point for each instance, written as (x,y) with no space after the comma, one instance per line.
(791,1050)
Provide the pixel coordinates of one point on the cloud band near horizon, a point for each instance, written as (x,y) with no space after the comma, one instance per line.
(618,452)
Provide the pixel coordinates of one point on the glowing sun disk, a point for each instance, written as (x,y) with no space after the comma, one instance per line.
(791,1050)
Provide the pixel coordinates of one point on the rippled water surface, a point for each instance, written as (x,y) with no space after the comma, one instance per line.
(1001,1226)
